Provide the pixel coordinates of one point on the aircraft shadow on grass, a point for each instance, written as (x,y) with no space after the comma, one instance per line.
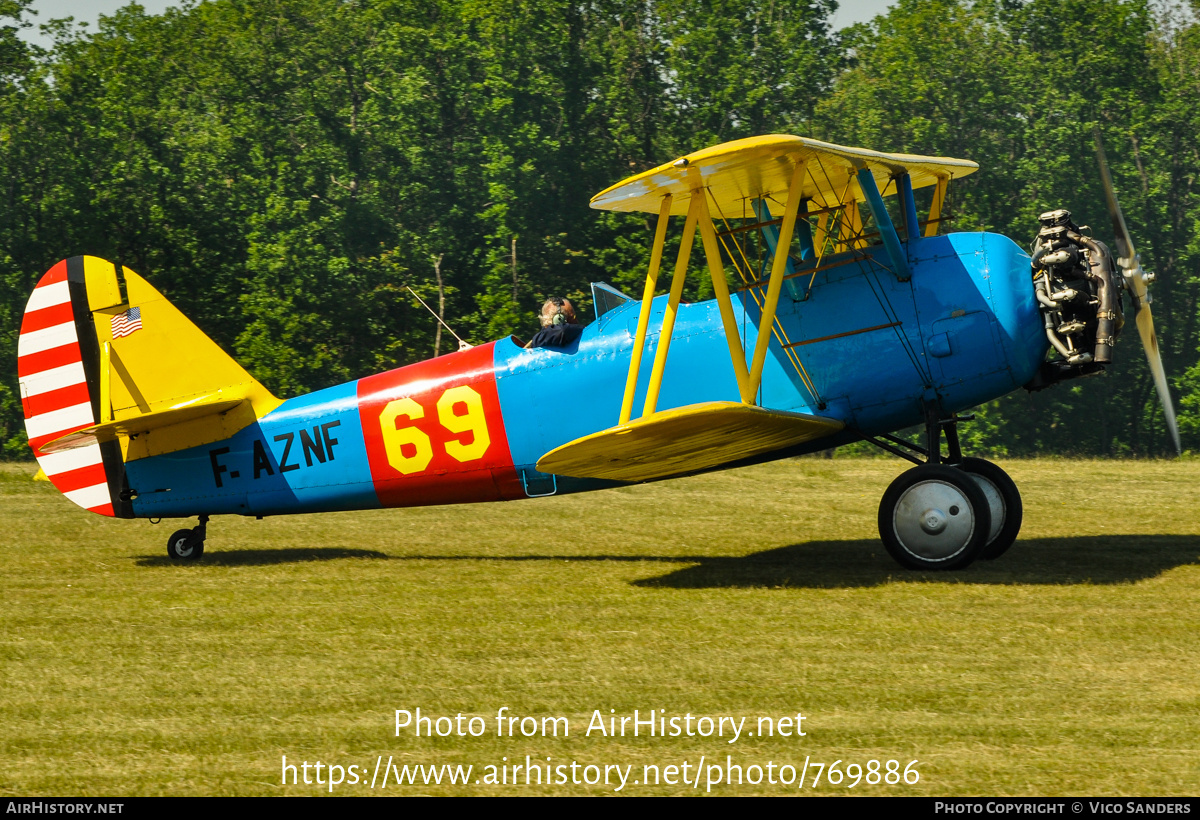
(1106,559)
(252,558)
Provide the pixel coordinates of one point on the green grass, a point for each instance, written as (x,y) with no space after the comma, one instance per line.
(1068,666)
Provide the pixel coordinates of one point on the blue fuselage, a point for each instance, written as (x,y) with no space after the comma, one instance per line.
(856,344)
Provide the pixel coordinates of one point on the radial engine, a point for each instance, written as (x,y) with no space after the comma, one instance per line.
(1079,292)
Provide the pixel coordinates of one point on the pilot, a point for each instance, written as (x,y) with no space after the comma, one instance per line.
(559,326)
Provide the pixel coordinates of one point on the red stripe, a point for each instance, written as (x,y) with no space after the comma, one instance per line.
(36,443)
(103,509)
(48,359)
(58,273)
(47,317)
(78,479)
(55,400)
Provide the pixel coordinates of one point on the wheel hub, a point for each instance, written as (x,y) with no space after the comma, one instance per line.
(933,520)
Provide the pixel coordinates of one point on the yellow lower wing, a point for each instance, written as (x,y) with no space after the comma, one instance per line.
(684,440)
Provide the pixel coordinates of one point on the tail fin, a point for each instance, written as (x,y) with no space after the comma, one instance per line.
(110,372)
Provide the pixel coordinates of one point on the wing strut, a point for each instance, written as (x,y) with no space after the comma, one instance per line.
(635,363)
(716,270)
(668,324)
(891,240)
(698,215)
(935,208)
(778,269)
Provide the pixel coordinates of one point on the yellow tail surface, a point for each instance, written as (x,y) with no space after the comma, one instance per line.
(163,384)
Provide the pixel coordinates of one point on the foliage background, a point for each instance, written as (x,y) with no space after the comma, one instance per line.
(282,169)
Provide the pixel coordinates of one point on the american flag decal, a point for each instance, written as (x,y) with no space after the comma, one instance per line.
(126,323)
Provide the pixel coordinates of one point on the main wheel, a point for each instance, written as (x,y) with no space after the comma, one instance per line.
(934,517)
(1004,503)
(178,548)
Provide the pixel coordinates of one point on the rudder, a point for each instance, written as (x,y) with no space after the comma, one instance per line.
(111,372)
(58,394)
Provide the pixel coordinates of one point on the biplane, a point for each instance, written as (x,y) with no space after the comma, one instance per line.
(838,315)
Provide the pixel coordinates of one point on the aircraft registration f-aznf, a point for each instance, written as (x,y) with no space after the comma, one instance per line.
(838,325)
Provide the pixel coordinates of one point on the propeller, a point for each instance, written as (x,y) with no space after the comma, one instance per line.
(1136,281)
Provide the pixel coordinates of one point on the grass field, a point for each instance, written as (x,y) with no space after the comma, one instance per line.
(1070,666)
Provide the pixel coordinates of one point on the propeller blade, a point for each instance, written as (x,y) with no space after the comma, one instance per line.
(1137,281)
(1145,326)
(1125,252)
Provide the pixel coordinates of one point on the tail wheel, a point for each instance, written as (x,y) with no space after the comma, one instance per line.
(1004,502)
(934,517)
(185,545)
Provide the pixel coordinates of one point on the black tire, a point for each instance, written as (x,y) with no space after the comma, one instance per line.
(178,549)
(996,483)
(934,517)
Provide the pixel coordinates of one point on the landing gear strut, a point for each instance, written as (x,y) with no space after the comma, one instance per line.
(188,545)
(948,510)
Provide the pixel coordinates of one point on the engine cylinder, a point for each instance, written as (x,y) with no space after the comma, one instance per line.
(1078,292)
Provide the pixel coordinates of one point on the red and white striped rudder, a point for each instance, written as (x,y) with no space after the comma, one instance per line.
(59,394)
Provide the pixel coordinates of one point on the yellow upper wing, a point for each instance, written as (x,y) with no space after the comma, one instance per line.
(736,172)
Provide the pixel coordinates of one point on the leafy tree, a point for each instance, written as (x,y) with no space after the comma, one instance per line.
(286,169)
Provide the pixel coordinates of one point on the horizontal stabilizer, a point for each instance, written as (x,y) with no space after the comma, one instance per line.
(135,425)
(684,440)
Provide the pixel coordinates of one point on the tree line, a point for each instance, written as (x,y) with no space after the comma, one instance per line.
(284,170)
